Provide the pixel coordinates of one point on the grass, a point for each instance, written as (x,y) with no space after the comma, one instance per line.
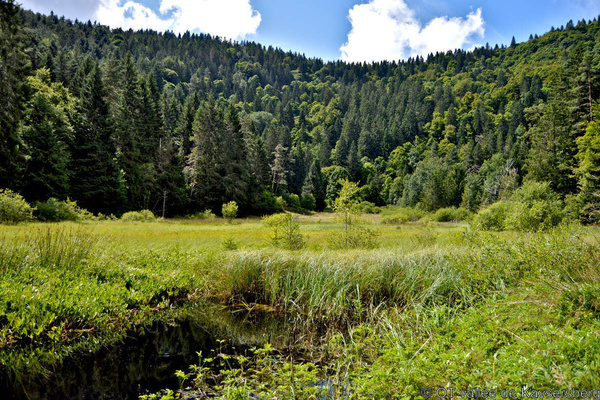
(436,304)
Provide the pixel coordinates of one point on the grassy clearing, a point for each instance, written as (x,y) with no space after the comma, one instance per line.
(435,304)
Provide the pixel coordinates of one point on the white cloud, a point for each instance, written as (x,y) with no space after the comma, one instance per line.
(130,15)
(389,30)
(232,19)
(227,18)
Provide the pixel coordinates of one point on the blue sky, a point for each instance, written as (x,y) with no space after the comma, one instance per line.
(353,30)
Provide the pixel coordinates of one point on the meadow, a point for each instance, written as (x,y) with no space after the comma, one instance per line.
(431,305)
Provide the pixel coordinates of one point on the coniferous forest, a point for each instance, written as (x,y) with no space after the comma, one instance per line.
(121,120)
(419,229)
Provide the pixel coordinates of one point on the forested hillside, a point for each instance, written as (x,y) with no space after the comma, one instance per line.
(121,120)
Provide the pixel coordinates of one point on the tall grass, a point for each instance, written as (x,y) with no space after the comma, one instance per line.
(62,247)
(333,290)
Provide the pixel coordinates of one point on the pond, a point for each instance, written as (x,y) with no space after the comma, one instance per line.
(147,362)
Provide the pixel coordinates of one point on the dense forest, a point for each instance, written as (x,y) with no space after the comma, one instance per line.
(120,120)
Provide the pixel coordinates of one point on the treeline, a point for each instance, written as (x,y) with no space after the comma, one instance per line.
(121,120)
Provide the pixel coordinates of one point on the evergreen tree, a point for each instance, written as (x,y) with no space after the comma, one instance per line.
(13,67)
(47,131)
(315,185)
(95,177)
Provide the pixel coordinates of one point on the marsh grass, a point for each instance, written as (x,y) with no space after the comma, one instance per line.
(58,246)
(327,290)
(434,304)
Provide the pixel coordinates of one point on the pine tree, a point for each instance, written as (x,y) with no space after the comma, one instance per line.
(47,131)
(204,164)
(13,68)
(95,177)
(315,185)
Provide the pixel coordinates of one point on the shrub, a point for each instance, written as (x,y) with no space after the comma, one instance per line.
(493,217)
(230,244)
(308,201)
(206,214)
(286,231)
(444,215)
(534,216)
(534,206)
(403,215)
(293,202)
(138,216)
(280,203)
(355,238)
(367,207)
(230,211)
(54,210)
(13,208)
(451,214)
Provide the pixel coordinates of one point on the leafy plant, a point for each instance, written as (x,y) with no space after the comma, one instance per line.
(230,244)
(230,211)
(53,210)
(347,209)
(14,208)
(138,216)
(286,231)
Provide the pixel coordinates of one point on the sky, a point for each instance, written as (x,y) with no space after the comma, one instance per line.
(349,30)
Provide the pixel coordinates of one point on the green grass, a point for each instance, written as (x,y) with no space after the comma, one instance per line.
(435,304)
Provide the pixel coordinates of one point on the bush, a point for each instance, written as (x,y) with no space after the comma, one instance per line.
(138,216)
(356,238)
(403,215)
(206,214)
(286,231)
(308,202)
(366,207)
(230,244)
(493,217)
(444,215)
(13,208)
(280,203)
(451,214)
(534,216)
(230,211)
(54,210)
(293,202)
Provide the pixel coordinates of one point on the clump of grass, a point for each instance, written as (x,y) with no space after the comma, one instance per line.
(337,290)
(13,256)
(62,247)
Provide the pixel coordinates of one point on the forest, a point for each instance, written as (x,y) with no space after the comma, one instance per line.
(177,124)
(185,217)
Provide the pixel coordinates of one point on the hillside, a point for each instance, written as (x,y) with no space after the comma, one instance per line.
(121,120)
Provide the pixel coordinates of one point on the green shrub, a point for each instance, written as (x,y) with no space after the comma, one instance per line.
(293,202)
(534,206)
(230,211)
(138,216)
(402,215)
(308,201)
(286,231)
(206,214)
(451,214)
(358,237)
(13,208)
(54,210)
(230,244)
(444,215)
(366,207)
(534,216)
(534,191)
(493,217)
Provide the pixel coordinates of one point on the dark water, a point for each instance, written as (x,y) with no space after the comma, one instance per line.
(143,363)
